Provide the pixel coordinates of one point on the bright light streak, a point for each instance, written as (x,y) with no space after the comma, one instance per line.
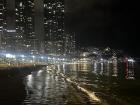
(22,56)
(11,30)
(39,73)
(91,95)
(49,58)
(42,57)
(30,81)
(20,4)
(10,56)
(101,59)
(94,52)
(84,54)
(131,60)
(95,65)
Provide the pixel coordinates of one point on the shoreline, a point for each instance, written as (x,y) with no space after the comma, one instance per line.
(22,70)
(9,67)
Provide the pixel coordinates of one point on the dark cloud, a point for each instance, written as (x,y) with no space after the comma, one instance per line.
(77,5)
(103,22)
(88,18)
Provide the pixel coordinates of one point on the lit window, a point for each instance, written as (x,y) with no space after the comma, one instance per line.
(17,14)
(46,23)
(63,10)
(54,12)
(45,5)
(20,4)
(16,9)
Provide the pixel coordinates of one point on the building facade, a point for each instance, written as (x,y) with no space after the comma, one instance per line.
(70,44)
(54,27)
(39,24)
(11,32)
(34,27)
(25,26)
(3,24)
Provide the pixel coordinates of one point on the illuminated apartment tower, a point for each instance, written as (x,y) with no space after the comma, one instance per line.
(20,25)
(70,44)
(7,27)
(54,26)
(39,24)
(25,26)
(2,24)
(11,32)
(9,37)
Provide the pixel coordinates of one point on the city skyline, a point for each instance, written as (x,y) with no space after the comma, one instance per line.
(34,27)
(69,52)
(93,23)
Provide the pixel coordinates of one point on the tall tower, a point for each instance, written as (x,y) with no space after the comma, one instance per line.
(70,44)
(11,32)
(54,26)
(20,25)
(39,24)
(25,25)
(2,24)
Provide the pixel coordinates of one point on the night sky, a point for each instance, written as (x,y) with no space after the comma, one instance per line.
(104,23)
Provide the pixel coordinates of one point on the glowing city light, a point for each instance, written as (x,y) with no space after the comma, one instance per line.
(101,59)
(33,56)
(20,4)
(131,60)
(42,57)
(49,58)
(11,30)
(22,56)
(10,56)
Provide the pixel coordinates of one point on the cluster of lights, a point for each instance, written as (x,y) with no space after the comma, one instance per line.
(12,56)
(20,21)
(131,60)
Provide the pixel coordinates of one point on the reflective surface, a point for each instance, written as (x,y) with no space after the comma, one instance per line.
(114,83)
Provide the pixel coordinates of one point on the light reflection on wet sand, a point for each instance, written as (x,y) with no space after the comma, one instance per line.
(49,88)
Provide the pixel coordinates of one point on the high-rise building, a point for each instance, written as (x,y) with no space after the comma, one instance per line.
(32,26)
(2,24)
(39,24)
(25,25)
(20,25)
(70,44)
(11,32)
(54,27)
(9,37)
